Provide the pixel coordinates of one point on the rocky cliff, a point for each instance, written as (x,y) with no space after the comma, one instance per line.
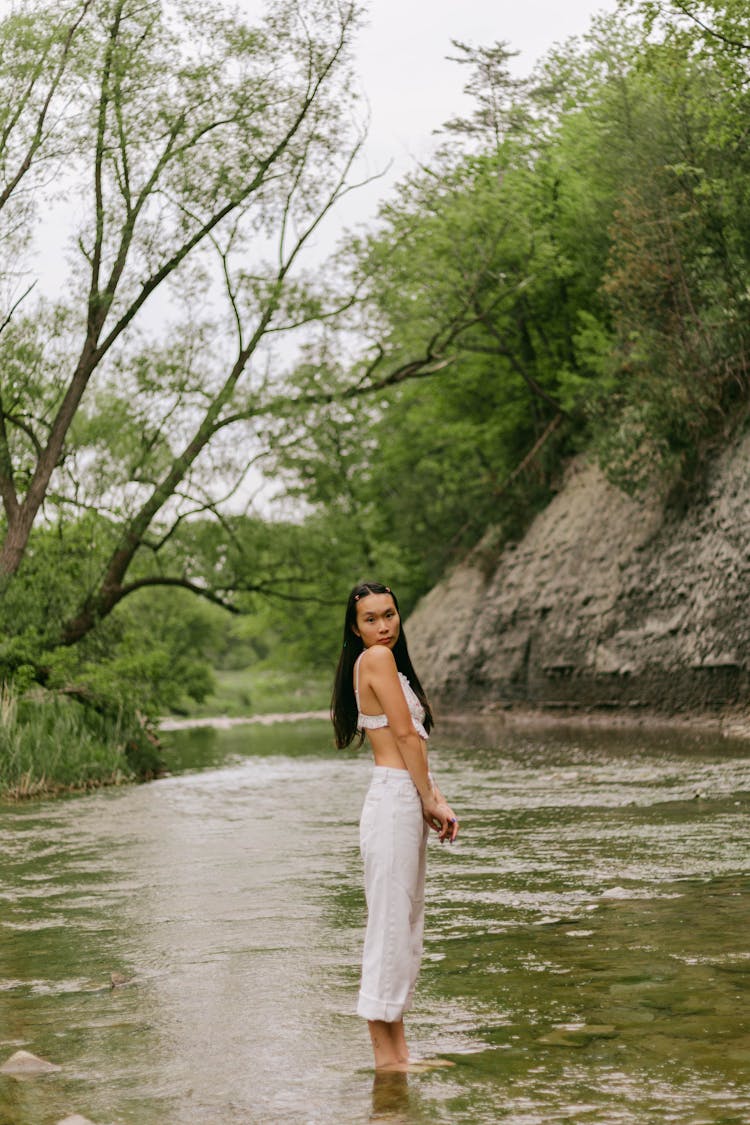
(607,601)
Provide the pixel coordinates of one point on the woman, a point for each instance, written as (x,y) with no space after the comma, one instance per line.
(377,690)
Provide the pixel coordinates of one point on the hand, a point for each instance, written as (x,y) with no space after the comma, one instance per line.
(440,816)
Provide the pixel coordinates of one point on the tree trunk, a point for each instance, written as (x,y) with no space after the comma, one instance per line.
(19,529)
(14,544)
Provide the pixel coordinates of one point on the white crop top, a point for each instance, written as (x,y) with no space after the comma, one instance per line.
(375,722)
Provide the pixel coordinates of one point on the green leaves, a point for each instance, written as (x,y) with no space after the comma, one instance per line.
(200,153)
(585,279)
(569,272)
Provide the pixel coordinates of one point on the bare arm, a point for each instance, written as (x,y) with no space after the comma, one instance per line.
(382,677)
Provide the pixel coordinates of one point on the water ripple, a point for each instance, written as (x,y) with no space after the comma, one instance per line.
(586,952)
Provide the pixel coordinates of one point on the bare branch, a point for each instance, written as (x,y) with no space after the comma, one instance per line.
(318,317)
(181,583)
(335,194)
(61,500)
(219,596)
(526,461)
(95,310)
(123,178)
(224,256)
(23,425)
(207,504)
(14,306)
(502,349)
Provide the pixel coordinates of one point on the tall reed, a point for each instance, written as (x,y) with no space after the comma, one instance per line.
(49,743)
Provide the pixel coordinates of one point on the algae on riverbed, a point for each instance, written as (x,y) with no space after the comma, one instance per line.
(586,948)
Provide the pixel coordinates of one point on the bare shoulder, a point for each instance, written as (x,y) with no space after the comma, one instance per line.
(378,658)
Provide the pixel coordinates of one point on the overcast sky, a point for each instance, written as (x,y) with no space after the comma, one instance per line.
(413,88)
(410,85)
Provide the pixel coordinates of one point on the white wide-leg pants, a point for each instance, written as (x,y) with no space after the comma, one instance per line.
(393,839)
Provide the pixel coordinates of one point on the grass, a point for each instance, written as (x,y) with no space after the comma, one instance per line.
(261,691)
(50,744)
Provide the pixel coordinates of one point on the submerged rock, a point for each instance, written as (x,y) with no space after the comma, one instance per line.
(577,1035)
(75,1119)
(119,980)
(23,1063)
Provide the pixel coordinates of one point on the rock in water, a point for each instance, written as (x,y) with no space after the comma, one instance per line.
(24,1063)
(577,1035)
(75,1119)
(119,980)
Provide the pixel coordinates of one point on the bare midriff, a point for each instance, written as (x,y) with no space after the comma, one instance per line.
(386,752)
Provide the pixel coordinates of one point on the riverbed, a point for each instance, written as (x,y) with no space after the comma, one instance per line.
(587,953)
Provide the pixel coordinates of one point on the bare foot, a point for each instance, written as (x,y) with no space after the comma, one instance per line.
(412,1066)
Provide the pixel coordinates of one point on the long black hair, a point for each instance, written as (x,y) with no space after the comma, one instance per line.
(343,702)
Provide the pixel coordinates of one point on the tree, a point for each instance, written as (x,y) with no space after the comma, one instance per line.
(200,156)
(594,269)
(500,110)
(183,153)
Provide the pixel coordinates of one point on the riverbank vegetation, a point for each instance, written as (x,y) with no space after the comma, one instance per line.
(51,744)
(568,273)
(259,689)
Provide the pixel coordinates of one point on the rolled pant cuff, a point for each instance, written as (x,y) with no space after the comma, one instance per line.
(370,1008)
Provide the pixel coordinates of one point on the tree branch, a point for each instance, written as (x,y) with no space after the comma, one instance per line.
(23,425)
(14,306)
(728,40)
(95,318)
(175,581)
(526,461)
(38,135)
(503,350)
(8,493)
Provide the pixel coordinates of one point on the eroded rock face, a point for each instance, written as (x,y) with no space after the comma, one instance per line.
(607,601)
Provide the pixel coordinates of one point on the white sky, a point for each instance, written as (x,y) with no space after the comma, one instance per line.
(412,88)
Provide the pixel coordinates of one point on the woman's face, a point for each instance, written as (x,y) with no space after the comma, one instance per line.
(378,622)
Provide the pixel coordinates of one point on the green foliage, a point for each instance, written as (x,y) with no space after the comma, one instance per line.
(583,280)
(149,653)
(49,743)
(266,688)
(151,650)
(568,273)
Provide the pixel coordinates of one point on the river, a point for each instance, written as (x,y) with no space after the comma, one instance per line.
(587,951)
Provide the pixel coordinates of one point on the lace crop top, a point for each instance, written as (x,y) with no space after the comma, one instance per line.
(375,722)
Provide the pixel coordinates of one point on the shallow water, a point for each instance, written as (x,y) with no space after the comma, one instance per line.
(587,950)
